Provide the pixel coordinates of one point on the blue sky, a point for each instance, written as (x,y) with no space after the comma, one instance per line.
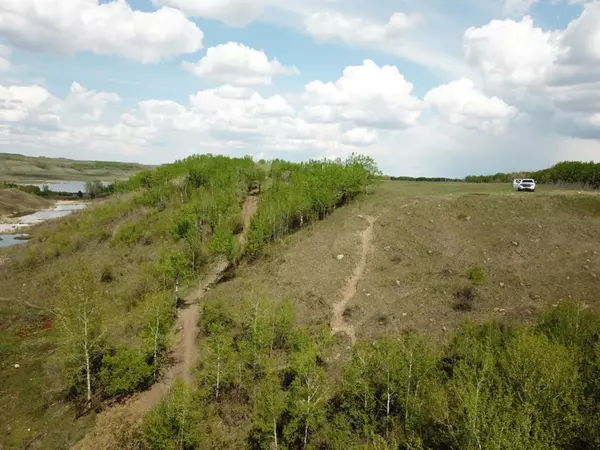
(427,87)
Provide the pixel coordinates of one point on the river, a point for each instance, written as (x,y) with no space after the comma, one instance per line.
(60,209)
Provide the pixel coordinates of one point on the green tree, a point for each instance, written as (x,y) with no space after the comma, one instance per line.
(77,309)
(172,424)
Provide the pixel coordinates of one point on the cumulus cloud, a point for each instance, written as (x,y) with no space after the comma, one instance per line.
(69,26)
(554,73)
(238,64)
(512,52)
(19,102)
(462,104)
(236,13)
(365,95)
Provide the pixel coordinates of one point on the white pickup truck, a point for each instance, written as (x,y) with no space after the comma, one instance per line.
(525,184)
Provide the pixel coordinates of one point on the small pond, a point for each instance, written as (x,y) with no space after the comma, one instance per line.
(8,240)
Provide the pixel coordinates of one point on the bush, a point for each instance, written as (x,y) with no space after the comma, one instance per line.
(125,371)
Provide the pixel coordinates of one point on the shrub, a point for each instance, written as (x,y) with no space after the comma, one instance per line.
(125,371)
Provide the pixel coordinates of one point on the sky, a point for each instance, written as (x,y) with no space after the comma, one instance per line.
(425,87)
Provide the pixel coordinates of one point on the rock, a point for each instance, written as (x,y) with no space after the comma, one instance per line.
(431,221)
(496,309)
(468,218)
(502,285)
(340,257)
(501,310)
(586,267)
(539,226)
(361,216)
(17,366)
(404,314)
(430,252)
(398,283)
(594,275)
(368,295)
(387,248)
(444,329)
(515,243)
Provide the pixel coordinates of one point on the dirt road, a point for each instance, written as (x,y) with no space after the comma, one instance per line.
(338,324)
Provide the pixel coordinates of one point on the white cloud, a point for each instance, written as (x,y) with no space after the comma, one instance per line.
(462,104)
(554,74)
(69,26)
(90,103)
(512,52)
(238,64)
(232,12)
(19,102)
(328,25)
(582,36)
(366,95)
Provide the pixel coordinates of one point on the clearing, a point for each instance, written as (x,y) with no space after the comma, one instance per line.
(535,250)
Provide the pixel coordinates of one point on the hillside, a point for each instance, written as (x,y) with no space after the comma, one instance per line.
(346,316)
(15,202)
(20,168)
(92,296)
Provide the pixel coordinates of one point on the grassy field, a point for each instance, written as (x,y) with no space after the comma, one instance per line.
(19,168)
(15,202)
(533,250)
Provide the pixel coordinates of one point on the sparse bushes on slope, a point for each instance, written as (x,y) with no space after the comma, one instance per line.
(492,386)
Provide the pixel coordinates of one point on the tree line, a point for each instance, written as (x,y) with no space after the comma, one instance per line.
(578,173)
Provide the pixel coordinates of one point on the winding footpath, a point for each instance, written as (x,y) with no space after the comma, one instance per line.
(338,324)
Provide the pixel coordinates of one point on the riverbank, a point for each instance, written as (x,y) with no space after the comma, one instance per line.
(60,208)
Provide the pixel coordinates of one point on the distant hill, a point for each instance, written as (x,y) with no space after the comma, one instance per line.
(20,168)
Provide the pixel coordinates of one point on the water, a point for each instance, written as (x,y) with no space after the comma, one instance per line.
(9,240)
(60,210)
(64,186)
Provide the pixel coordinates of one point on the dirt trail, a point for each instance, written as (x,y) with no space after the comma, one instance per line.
(185,353)
(250,206)
(338,325)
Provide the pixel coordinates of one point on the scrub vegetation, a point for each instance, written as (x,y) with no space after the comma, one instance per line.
(469,314)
